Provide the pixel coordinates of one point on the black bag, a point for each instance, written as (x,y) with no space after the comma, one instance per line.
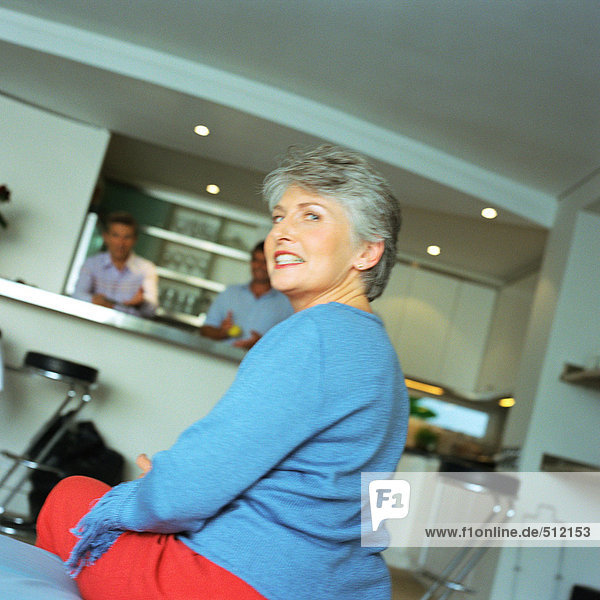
(79,451)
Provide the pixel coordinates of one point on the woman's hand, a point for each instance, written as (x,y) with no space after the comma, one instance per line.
(144,463)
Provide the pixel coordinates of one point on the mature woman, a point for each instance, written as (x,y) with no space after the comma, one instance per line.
(261,498)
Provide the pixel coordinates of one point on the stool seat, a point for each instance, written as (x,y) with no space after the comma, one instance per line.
(59,368)
(482,481)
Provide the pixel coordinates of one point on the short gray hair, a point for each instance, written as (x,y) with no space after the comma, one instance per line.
(347,178)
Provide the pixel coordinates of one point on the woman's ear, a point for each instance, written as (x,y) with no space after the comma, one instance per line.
(370,255)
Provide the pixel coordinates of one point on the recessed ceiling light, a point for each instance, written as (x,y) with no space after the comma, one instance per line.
(211,188)
(433,250)
(202,130)
(489,213)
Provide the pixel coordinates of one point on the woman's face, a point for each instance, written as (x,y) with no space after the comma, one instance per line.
(310,253)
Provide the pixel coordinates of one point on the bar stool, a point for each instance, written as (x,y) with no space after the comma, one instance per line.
(79,379)
(503,490)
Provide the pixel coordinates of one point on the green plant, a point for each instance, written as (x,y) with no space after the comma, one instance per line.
(426,439)
(4,197)
(420,412)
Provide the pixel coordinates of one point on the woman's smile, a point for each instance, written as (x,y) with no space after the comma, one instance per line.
(284,259)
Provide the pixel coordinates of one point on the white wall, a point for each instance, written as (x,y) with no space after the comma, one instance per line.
(507,335)
(562,410)
(51,166)
(438,324)
(558,418)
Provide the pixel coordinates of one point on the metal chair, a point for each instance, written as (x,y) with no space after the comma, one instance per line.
(79,379)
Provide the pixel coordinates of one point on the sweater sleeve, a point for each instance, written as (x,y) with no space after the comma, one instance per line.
(268,411)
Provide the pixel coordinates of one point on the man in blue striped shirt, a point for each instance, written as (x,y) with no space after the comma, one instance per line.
(118,278)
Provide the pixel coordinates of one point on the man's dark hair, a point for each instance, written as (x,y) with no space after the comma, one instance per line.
(260,247)
(123,218)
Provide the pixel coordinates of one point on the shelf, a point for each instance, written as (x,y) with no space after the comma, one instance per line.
(575,375)
(193,280)
(198,247)
(194,321)
(193,269)
(186,240)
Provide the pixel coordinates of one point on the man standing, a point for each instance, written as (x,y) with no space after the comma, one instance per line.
(118,278)
(243,313)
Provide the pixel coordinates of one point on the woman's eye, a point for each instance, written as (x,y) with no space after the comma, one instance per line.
(276,218)
(311,216)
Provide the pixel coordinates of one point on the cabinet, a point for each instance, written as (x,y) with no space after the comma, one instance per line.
(467,336)
(438,324)
(422,336)
(199,246)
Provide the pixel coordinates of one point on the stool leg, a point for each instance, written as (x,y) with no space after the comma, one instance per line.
(446,573)
(43,453)
(453,584)
(469,566)
(72,393)
(36,438)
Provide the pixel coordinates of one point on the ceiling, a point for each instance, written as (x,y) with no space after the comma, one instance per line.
(461,103)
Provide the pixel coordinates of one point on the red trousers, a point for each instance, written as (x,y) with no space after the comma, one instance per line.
(144,566)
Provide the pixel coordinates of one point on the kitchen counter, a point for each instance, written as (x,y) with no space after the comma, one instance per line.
(113,318)
(454,462)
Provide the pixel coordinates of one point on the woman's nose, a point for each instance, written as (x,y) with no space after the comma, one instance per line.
(282,229)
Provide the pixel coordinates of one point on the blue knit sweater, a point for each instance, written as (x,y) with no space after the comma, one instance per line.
(268,484)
